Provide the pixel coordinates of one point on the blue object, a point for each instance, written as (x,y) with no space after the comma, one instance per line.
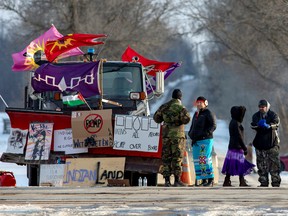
(262,122)
(91,51)
(266,125)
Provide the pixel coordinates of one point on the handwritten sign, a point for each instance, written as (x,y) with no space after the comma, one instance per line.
(92,171)
(39,141)
(63,141)
(51,174)
(17,141)
(136,133)
(92,129)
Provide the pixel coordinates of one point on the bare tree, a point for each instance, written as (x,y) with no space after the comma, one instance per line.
(247,51)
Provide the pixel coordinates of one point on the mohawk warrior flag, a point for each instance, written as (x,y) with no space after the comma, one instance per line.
(151,66)
(24,60)
(83,78)
(55,48)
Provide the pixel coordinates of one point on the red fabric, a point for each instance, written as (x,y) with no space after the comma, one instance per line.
(54,48)
(151,66)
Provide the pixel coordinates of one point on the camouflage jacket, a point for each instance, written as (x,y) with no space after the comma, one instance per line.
(174,115)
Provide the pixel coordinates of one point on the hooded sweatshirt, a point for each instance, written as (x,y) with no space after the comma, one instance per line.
(236,130)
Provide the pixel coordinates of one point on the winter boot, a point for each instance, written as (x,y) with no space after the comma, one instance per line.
(209,183)
(227,181)
(178,182)
(242,182)
(167,181)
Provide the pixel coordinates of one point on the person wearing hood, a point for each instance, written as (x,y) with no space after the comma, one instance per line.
(235,163)
(201,133)
(266,142)
(174,116)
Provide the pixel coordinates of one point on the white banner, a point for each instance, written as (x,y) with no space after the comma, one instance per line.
(136,133)
(63,141)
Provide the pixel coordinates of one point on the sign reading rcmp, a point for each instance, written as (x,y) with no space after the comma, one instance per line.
(92,129)
(93,123)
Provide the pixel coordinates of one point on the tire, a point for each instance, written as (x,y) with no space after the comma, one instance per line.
(282,166)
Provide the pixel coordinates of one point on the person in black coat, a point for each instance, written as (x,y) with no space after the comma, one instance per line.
(266,142)
(201,132)
(235,162)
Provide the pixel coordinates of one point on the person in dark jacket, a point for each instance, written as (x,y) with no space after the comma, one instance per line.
(201,133)
(266,142)
(174,116)
(235,163)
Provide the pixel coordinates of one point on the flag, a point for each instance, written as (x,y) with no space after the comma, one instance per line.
(168,72)
(24,60)
(56,47)
(73,100)
(80,77)
(151,66)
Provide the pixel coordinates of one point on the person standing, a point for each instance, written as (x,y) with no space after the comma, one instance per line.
(266,142)
(175,116)
(235,162)
(201,132)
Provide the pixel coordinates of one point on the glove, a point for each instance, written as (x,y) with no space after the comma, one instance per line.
(262,122)
(245,152)
(266,125)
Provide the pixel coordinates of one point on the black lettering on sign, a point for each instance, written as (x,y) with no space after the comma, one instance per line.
(152,148)
(135,146)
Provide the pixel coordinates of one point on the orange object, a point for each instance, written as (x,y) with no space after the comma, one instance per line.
(186,175)
(7,179)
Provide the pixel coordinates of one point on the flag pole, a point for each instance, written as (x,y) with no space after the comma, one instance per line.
(83,99)
(3,101)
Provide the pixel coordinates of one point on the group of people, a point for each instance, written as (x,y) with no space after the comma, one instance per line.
(174,116)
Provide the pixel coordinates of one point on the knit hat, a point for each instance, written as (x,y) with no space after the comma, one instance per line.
(177,94)
(263,102)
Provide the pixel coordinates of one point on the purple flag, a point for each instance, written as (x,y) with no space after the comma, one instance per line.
(81,77)
(168,72)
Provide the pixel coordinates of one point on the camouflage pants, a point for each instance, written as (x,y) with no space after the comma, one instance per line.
(268,162)
(172,155)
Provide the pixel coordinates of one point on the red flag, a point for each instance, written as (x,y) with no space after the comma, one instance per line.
(70,41)
(24,60)
(151,66)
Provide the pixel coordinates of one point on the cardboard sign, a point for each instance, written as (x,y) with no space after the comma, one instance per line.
(136,133)
(63,141)
(51,174)
(39,141)
(92,129)
(17,141)
(92,171)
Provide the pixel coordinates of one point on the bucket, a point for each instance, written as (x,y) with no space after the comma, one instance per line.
(7,179)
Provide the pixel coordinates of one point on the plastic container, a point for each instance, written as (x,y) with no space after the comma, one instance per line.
(7,179)
(145,182)
(140,183)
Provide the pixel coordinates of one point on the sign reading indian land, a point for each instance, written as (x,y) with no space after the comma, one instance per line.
(93,171)
(136,133)
(92,129)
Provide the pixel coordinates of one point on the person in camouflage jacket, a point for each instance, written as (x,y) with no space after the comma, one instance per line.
(174,116)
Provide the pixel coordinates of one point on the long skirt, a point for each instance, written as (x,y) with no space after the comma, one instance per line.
(202,156)
(235,163)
